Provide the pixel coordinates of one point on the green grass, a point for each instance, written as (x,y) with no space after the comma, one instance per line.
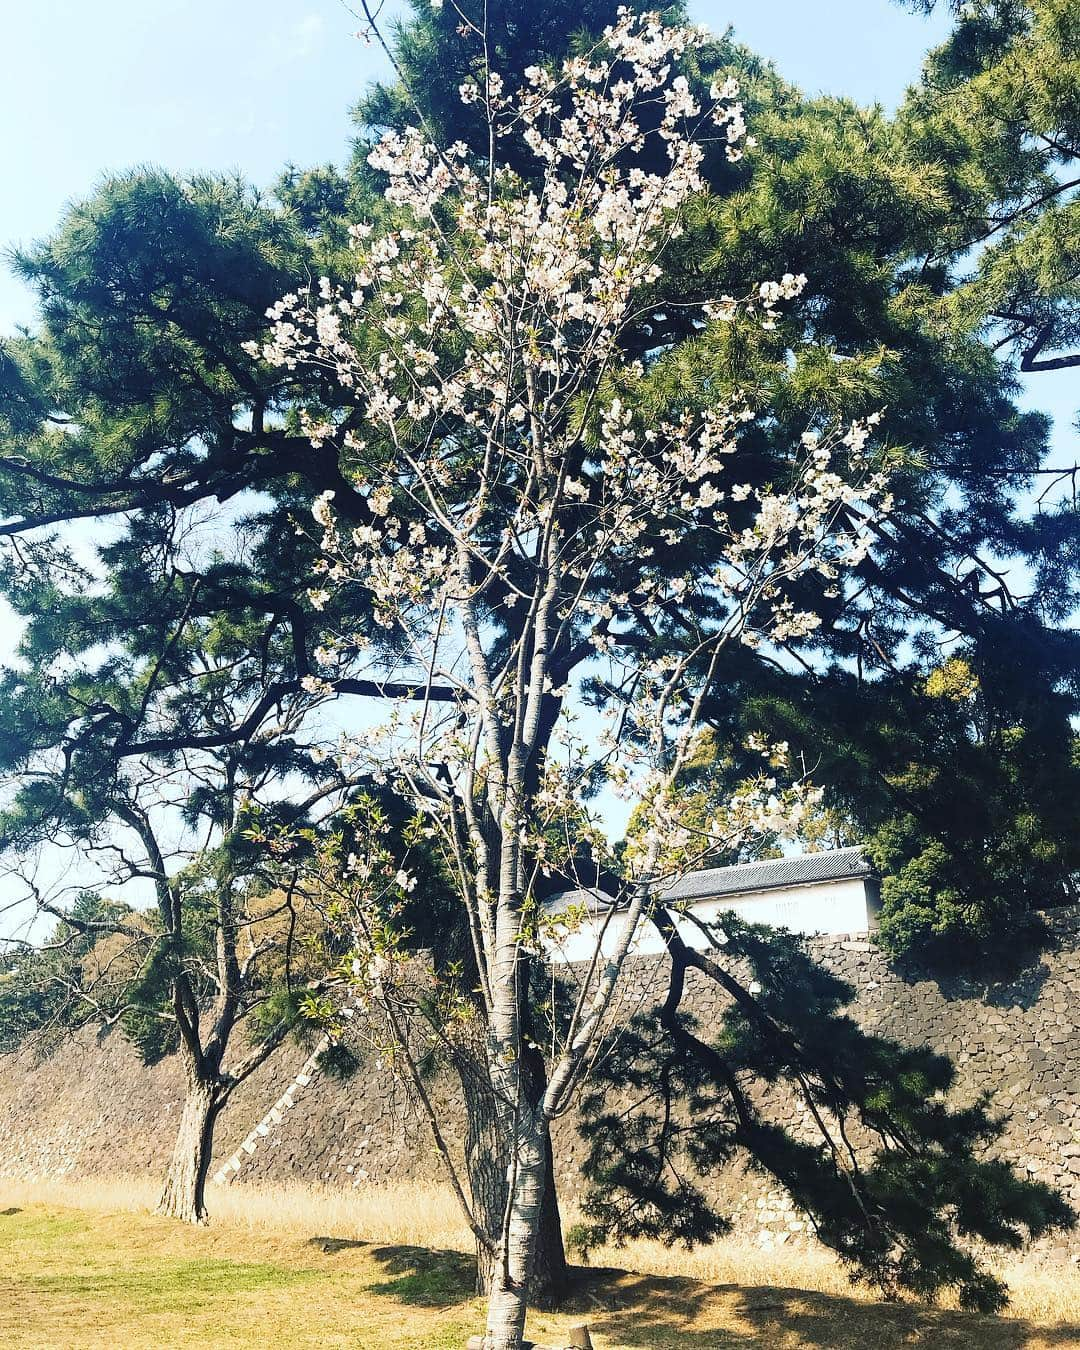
(71,1279)
(425,1278)
(74,1279)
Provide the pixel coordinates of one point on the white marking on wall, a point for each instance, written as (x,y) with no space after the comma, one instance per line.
(309,1071)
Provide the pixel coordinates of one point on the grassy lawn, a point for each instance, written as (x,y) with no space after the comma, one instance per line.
(77,1277)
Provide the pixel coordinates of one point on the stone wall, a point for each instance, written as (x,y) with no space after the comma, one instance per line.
(1019,1042)
(92,1108)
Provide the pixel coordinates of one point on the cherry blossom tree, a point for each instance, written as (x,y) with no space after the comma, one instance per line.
(558,563)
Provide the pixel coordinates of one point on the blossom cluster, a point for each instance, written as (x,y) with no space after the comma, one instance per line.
(518,502)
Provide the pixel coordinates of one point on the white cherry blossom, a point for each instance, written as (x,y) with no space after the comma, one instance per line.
(523,522)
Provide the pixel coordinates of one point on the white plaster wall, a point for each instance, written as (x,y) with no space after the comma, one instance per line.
(844,906)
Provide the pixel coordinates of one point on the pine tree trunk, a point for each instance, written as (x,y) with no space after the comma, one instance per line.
(487,1152)
(550,1274)
(183,1196)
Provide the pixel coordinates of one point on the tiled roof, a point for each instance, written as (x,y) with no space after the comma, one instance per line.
(798,870)
(744,878)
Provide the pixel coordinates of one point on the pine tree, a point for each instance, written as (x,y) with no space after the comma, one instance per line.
(147,721)
(880,212)
(917,1244)
(136,400)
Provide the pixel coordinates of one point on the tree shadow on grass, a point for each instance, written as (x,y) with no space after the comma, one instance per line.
(333,1244)
(651,1311)
(421,1276)
(657,1312)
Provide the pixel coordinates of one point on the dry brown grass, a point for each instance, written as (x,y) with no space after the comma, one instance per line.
(414,1215)
(259,1249)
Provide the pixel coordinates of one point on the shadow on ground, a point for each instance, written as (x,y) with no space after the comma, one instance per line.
(644,1310)
(650,1311)
(422,1276)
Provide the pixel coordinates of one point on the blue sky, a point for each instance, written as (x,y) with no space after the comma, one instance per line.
(253,84)
(250,85)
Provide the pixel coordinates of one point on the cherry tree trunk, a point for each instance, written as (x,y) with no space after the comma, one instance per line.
(508,1298)
(487,1157)
(184,1193)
